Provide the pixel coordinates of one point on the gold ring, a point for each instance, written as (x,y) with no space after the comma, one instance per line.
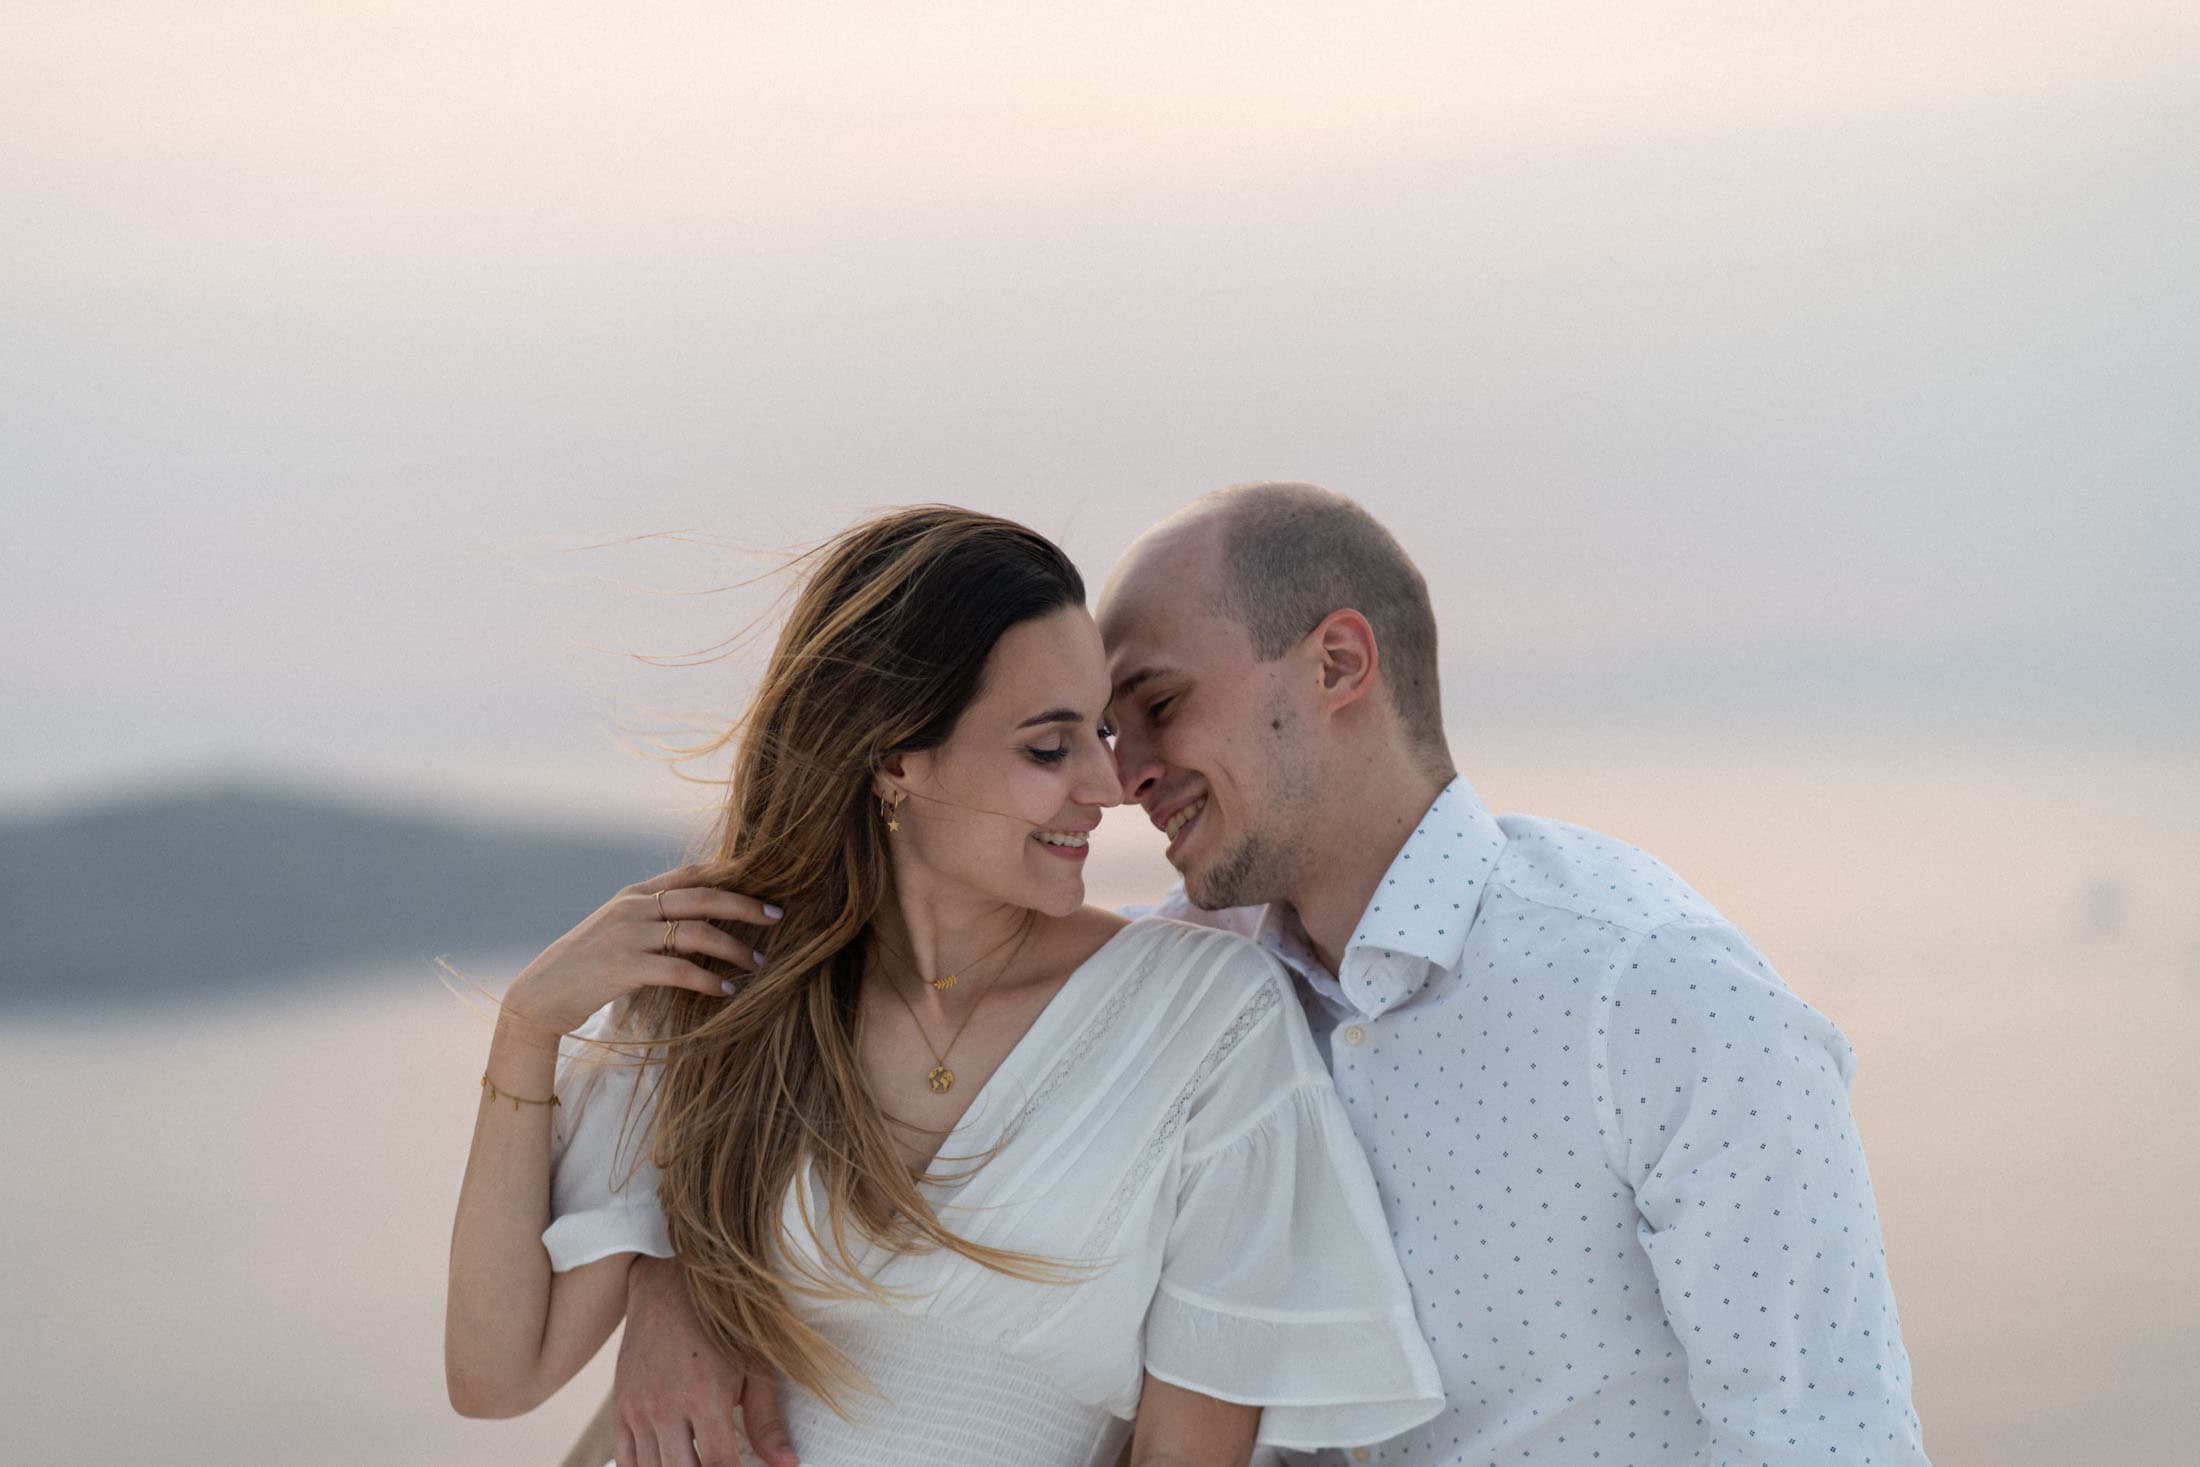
(666,945)
(661,908)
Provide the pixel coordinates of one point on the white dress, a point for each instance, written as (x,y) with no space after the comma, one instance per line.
(1167,1116)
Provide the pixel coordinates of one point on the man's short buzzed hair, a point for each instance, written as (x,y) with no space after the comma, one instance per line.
(1293,553)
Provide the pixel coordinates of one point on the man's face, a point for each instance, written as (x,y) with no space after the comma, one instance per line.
(1210,741)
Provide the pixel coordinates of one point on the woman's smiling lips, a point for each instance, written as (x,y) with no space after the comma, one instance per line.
(1070,845)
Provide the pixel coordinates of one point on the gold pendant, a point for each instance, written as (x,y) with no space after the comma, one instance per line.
(941,985)
(942,1079)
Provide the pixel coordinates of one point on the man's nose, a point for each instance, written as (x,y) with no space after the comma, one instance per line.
(1138,769)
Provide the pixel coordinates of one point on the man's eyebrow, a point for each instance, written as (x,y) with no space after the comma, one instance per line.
(1053,715)
(1136,680)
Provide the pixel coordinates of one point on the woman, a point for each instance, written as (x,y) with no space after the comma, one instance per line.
(988,1175)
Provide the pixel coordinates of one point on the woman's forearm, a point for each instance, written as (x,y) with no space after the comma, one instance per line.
(514,1331)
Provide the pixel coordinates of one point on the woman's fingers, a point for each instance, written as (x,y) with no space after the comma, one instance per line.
(709,901)
(686,896)
(701,939)
(676,1446)
(623,1452)
(715,1442)
(760,1418)
(677,972)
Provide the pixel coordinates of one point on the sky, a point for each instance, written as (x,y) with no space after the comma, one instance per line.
(1791,407)
(377,378)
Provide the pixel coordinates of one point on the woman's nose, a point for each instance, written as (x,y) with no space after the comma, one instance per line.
(1097,783)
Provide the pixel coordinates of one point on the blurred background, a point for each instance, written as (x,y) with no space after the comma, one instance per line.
(1792,408)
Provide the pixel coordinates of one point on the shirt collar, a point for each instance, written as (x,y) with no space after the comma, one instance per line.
(1281,932)
(1416,925)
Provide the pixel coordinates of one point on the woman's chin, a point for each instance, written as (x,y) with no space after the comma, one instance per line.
(1064,903)
(1062,896)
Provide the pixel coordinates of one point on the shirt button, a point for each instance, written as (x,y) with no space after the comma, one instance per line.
(1354,1035)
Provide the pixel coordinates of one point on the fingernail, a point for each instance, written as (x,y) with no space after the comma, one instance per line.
(773,912)
(727,985)
(758,954)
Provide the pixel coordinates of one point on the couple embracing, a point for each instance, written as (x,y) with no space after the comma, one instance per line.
(1397,1132)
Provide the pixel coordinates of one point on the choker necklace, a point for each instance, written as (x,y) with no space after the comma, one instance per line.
(940,1079)
(942,984)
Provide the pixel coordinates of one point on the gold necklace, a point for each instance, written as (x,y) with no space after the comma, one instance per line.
(940,1079)
(941,985)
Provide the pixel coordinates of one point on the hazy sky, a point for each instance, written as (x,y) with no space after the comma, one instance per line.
(1727,367)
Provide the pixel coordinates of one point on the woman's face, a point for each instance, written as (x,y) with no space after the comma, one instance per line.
(1004,807)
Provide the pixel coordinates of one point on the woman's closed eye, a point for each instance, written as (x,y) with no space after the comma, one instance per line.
(1056,753)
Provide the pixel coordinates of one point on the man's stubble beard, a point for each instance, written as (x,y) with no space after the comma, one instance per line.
(1254,871)
(1265,863)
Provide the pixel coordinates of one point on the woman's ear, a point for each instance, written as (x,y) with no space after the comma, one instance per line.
(891,781)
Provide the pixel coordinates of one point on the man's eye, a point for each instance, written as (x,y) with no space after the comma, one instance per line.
(1153,709)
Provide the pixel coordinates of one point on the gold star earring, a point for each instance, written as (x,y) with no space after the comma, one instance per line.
(892,813)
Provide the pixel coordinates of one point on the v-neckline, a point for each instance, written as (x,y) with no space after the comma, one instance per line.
(1040,1039)
(1047,1017)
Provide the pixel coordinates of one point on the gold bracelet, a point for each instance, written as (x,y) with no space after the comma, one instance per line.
(517,1100)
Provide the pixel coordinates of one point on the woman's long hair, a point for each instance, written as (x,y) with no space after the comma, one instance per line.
(882,652)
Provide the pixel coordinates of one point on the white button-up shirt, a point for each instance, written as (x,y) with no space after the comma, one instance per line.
(1617,1158)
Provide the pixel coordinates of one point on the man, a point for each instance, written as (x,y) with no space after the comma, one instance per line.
(1615,1151)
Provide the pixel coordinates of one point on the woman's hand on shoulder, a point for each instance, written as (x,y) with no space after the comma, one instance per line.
(652,932)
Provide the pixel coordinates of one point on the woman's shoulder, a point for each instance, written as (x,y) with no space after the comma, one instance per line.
(1235,963)
(1205,987)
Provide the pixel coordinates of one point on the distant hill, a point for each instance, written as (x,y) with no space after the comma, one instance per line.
(160,898)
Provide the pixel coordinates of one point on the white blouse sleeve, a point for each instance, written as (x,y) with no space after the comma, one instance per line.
(1279,1287)
(603,1188)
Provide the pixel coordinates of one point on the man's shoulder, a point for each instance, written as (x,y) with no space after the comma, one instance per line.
(1595,877)
(1681,954)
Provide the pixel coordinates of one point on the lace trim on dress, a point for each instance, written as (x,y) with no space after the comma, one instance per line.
(1067,1063)
(1149,1156)
(1102,1024)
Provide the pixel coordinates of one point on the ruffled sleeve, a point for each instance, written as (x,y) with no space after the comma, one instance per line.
(603,1188)
(1279,1287)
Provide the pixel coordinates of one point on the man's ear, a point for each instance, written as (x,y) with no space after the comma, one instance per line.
(1345,657)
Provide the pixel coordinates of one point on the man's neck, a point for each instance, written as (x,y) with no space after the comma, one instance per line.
(1359,839)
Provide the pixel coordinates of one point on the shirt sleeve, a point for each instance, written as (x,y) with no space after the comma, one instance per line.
(1279,1287)
(1730,1118)
(603,1187)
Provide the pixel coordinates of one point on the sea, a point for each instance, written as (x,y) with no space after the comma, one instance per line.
(223,1227)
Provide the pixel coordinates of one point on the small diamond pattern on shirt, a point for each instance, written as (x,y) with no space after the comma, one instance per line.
(1617,1159)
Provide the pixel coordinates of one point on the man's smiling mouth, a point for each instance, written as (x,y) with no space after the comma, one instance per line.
(1175,824)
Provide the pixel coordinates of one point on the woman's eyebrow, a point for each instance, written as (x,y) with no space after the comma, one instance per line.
(1054,715)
